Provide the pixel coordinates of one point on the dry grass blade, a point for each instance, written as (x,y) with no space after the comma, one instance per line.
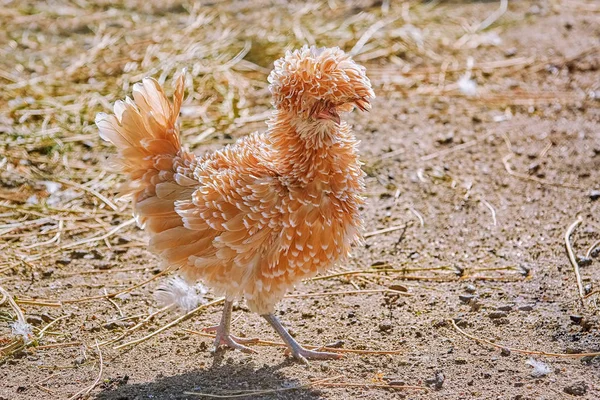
(385,230)
(573,259)
(84,392)
(250,393)
(522,351)
(114,294)
(261,342)
(347,292)
(172,323)
(525,177)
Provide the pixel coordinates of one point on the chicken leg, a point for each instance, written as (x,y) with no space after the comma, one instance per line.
(299,352)
(224,337)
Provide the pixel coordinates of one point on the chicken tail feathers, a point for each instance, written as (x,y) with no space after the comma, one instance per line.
(143,128)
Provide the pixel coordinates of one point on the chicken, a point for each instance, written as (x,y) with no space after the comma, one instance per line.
(254,218)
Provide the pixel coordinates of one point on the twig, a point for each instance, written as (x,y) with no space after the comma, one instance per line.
(55,345)
(102,237)
(418,215)
(84,392)
(457,147)
(138,325)
(489,206)
(91,191)
(320,294)
(261,342)
(172,323)
(385,230)
(588,253)
(573,260)
(262,392)
(109,295)
(522,351)
(375,385)
(44,329)
(368,34)
(533,178)
(33,302)
(111,301)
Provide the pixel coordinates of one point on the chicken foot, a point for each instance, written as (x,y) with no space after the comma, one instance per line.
(224,337)
(299,352)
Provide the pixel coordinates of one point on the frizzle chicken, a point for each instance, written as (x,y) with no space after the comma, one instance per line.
(252,219)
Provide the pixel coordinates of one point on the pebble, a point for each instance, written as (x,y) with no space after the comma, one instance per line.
(505,352)
(437,381)
(466,298)
(504,308)
(78,254)
(63,261)
(576,319)
(594,195)
(577,389)
(385,326)
(584,261)
(79,360)
(34,320)
(104,266)
(112,325)
(399,288)
(526,308)
(497,314)
(470,289)
(47,273)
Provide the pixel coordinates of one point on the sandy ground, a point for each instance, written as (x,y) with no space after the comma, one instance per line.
(482,189)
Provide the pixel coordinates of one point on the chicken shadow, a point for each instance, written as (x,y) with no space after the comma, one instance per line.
(221,379)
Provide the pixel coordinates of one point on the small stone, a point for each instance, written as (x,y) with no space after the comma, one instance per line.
(446,139)
(497,314)
(385,326)
(78,254)
(399,288)
(576,319)
(526,308)
(577,389)
(46,317)
(466,298)
(594,195)
(437,381)
(79,360)
(584,261)
(308,315)
(34,320)
(104,266)
(336,345)
(470,289)
(47,273)
(63,261)
(460,361)
(510,52)
(505,352)
(504,308)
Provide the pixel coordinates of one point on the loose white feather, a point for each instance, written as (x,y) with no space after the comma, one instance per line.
(176,291)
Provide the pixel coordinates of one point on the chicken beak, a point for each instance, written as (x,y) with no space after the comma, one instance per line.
(330,114)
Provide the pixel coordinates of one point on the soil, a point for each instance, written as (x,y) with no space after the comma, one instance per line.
(483,190)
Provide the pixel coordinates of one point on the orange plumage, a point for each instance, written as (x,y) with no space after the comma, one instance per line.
(254,218)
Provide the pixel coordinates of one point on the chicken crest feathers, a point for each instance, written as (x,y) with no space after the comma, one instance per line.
(308,76)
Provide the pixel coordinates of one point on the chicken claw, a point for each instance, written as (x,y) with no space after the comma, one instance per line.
(224,338)
(300,353)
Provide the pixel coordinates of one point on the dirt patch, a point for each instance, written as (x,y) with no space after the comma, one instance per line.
(482,179)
